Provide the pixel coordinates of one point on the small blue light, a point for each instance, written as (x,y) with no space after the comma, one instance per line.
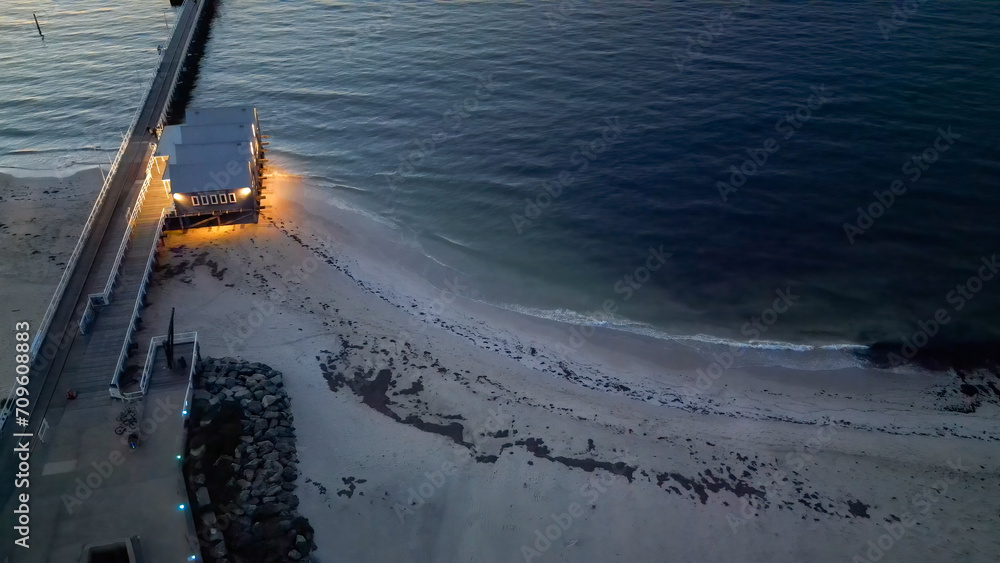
(178,456)
(192,557)
(184,412)
(180,506)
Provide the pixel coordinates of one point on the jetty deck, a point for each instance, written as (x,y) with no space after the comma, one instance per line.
(72,441)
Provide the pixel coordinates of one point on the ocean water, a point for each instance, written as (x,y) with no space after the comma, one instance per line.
(778,174)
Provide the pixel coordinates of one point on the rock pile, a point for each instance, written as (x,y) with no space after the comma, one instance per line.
(241,466)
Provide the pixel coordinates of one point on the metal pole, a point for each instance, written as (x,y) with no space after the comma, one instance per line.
(170,341)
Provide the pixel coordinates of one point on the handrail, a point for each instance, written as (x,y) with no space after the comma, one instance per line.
(104,297)
(147,371)
(132,220)
(123,355)
(43,327)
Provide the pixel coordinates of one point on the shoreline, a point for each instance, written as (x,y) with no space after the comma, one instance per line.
(385,370)
(412,425)
(408,256)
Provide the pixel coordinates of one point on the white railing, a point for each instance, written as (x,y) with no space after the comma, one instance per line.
(89,314)
(147,371)
(195,360)
(126,239)
(129,335)
(104,298)
(5,411)
(50,311)
(43,327)
(180,66)
(123,355)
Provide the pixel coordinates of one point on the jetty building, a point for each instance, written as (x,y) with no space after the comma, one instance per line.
(212,167)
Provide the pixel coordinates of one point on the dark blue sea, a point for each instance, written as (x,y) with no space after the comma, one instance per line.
(786,174)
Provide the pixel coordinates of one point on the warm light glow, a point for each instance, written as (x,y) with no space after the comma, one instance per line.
(178,197)
(274,172)
(244,192)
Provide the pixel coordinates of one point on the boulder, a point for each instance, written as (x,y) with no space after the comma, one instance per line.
(218,550)
(271,508)
(208,519)
(213,535)
(201,497)
(301,544)
(259,426)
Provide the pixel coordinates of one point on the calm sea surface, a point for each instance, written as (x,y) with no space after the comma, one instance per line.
(713,170)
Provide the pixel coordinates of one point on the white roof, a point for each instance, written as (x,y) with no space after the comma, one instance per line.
(194,178)
(227,132)
(169,138)
(207,147)
(174,136)
(216,153)
(219,116)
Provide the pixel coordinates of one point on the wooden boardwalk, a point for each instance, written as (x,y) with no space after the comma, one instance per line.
(86,363)
(102,345)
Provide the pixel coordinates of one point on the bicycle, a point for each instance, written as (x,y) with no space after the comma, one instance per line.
(130,424)
(127,412)
(128,420)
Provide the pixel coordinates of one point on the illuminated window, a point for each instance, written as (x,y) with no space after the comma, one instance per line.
(215,199)
(232,197)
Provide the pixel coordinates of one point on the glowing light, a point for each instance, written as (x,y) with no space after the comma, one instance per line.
(178,456)
(244,192)
(184,412)
(180,506)
(178,197)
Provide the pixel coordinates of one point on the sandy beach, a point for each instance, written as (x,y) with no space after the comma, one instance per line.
(40,223)
(432,427)
(435,428)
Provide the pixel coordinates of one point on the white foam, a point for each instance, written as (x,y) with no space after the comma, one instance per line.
(794,355)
